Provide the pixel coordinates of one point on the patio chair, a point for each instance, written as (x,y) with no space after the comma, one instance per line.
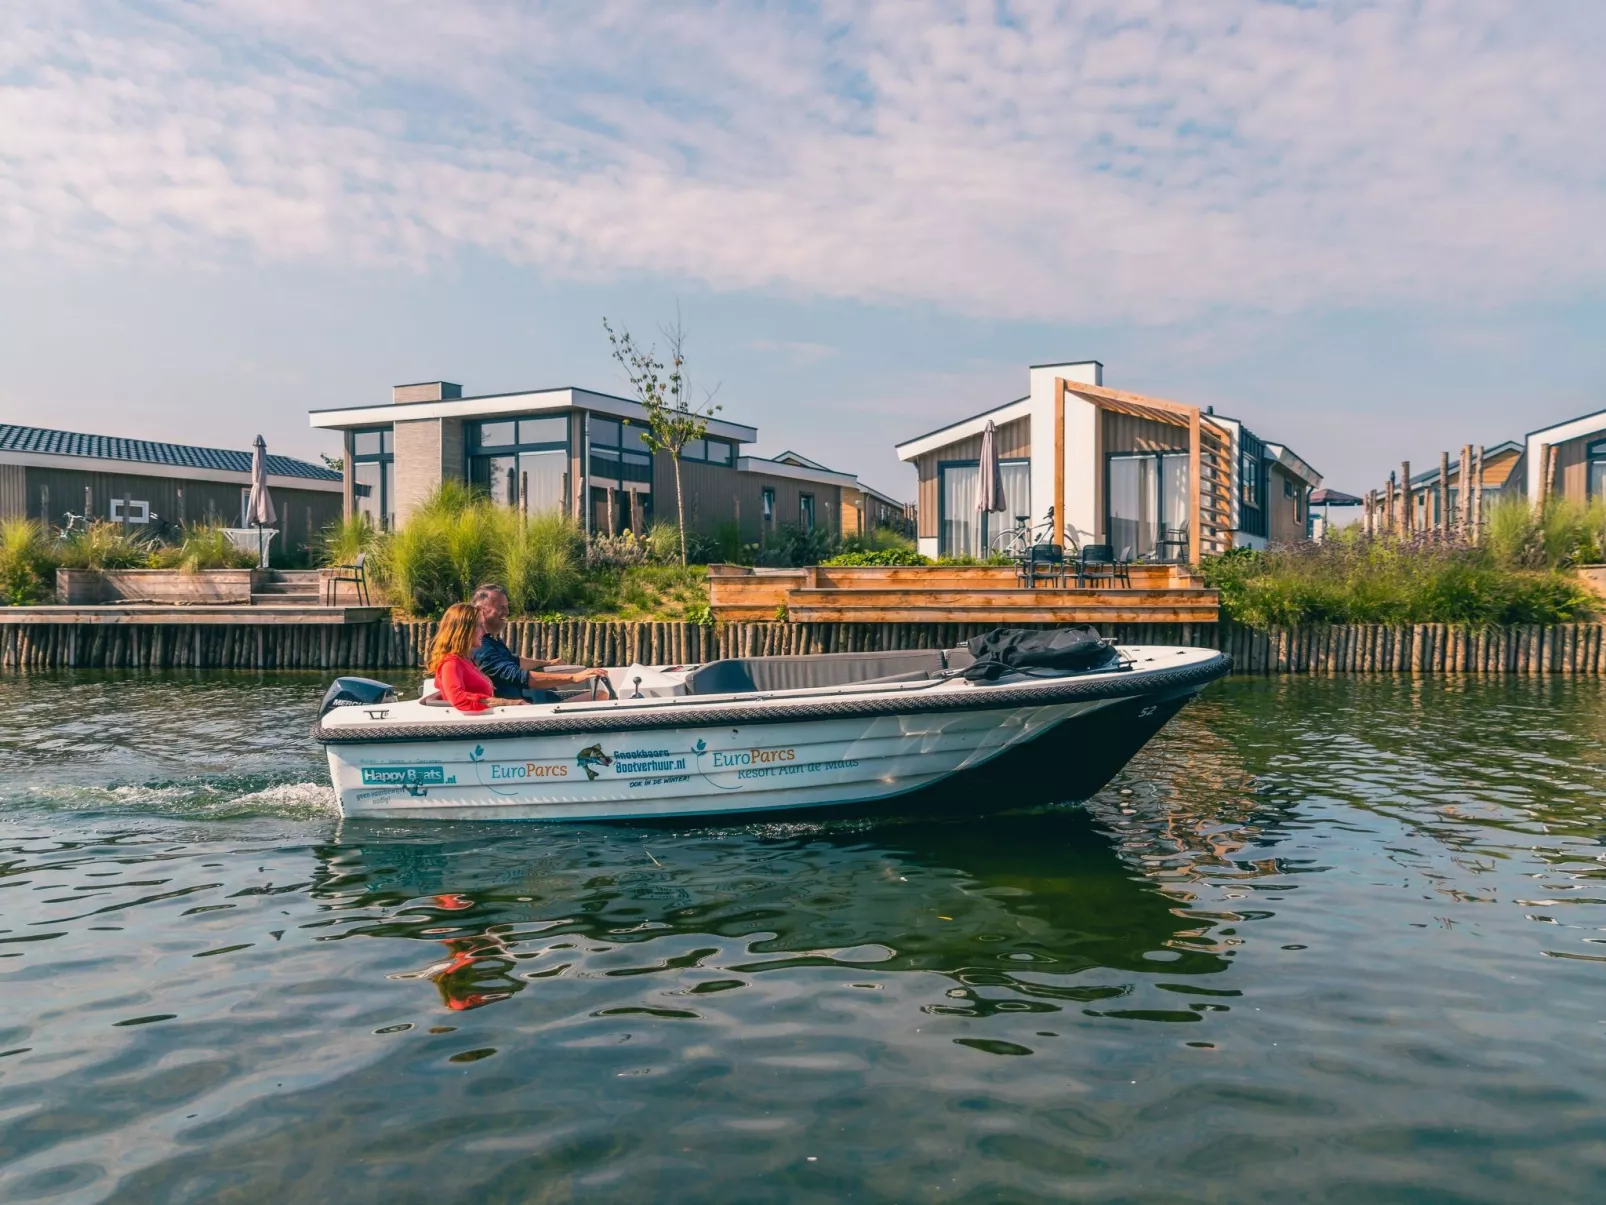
(1041,561)
(355,573)
(1172,544)
(1097,564)
(1123,566)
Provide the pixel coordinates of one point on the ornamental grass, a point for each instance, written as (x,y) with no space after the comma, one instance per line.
(1354,578)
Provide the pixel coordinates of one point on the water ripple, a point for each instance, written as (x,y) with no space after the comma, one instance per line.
(1331,939)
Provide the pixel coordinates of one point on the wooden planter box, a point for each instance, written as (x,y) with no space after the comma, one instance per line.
(91,587)
(1593,576)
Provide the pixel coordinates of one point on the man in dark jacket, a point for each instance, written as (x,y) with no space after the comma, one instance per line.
(512,676)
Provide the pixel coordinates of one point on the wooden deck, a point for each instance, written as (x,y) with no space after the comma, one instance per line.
(245,615)
(952,594)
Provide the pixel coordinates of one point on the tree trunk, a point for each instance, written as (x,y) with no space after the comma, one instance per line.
(680,509)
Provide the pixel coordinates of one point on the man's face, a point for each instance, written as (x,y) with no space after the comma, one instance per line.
(493,612)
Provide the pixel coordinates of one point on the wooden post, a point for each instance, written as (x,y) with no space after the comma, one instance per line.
(1195,490)
(1477,494)
(1444,495)
(1465,490)
(1059,461)
(1405,497)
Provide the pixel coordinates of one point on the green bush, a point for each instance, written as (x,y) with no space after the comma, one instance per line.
(883,556)
(793,547)
(541,558)
(202,546)
(1558,535)
(104,545)
(1351,578)
(27,563)
(457,540)
(344,540)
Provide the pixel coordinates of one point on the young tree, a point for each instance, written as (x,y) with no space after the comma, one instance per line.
(665,393)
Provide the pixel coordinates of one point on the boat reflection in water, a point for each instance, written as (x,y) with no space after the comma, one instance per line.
(1015,910)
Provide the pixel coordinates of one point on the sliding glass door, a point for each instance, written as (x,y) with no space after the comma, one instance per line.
(1148,504)
(965,531)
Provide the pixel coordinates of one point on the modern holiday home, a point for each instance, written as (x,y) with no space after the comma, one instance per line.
(1155,479)
(65,477)
(1566,459)
(581,453)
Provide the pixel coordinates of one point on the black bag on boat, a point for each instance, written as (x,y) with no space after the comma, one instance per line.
(1069,650)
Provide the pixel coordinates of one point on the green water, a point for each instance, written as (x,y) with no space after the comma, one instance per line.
(1339,940)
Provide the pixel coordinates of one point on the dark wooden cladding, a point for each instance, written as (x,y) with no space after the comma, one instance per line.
(1560,649)
(302,513)
(718,494)
(1014,442)
(1572,467)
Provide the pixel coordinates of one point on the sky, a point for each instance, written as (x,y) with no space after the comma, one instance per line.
(1374,231)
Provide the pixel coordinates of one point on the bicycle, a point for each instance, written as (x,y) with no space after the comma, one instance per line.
(1017,542)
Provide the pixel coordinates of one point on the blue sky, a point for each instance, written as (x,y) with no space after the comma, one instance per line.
(1372,230)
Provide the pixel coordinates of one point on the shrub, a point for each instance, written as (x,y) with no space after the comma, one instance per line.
(1559,534)
(104,545)
(878,539)
(1351,578)
(456,540)
(882,556)
(27,563)
(345,539)
(541,558)
(202,546)
(793,547)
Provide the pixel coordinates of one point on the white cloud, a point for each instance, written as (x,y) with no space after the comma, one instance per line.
(1148,160)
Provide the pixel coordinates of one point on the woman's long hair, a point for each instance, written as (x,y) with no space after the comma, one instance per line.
(455,635)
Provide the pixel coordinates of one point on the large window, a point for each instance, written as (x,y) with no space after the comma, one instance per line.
(521,462)
(1251,485)
(714,451)
(1596,479)
(621,476)
(966,531)
(805,511)
(1148,504)
(373,476)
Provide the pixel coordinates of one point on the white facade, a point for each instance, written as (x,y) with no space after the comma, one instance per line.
(1081,439)
(1533,460)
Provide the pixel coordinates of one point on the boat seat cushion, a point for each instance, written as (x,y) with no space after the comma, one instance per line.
(737,675)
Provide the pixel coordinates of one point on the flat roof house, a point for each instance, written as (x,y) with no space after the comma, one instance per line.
(48,475)
(1165,480)
(1567,458)
(574,451)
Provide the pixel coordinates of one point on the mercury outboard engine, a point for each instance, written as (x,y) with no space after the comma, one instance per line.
(356,692)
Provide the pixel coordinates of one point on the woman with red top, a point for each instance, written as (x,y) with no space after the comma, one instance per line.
(456,676)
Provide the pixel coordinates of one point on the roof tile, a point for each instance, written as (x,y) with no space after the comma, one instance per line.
(15,438)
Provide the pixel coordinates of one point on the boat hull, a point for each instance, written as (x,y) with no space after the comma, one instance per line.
(1062,751)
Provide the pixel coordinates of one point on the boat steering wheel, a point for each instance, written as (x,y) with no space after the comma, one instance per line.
(600,684)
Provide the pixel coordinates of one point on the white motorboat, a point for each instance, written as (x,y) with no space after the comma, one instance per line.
(759,735)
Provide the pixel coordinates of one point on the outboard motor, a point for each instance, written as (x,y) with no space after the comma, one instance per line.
(356,692)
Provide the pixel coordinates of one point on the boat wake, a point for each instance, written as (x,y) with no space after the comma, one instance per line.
(191,799)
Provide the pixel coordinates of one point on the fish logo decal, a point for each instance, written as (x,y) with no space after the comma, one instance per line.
(592,756)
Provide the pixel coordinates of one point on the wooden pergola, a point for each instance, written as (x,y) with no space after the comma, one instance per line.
(1209,461)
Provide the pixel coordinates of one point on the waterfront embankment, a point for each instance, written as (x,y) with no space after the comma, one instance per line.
(385,644)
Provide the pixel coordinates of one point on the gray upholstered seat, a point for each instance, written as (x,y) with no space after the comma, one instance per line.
(740,674)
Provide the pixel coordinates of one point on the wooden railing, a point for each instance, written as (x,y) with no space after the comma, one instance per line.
(1215,490)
